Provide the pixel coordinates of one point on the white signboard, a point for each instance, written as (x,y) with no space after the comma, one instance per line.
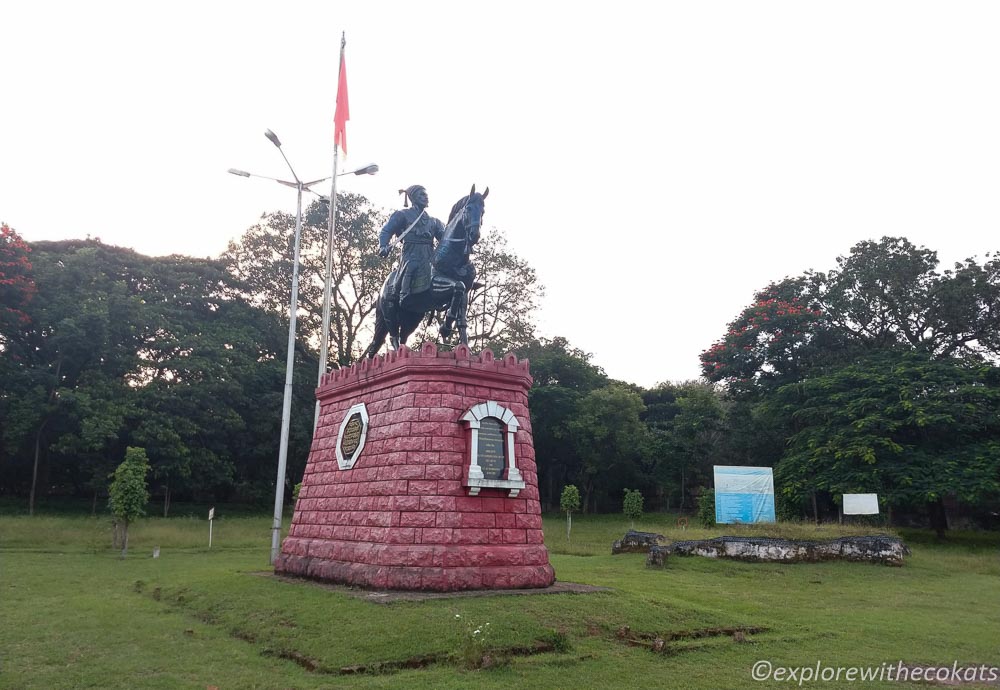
(211,513)
(860,504)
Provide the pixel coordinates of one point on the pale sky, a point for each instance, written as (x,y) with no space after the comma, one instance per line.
(677,155)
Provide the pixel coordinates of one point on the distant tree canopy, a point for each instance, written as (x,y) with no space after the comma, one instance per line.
(877,376)
(160,353)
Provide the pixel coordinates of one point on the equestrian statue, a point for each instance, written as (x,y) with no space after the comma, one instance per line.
(427,279)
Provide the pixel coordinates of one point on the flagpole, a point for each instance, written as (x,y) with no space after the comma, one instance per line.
(324,340)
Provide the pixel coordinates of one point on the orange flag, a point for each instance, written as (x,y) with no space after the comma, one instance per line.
(343,113)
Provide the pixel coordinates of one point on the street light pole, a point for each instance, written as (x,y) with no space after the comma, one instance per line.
(286,405)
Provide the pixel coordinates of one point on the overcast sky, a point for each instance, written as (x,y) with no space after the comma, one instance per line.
(656,162)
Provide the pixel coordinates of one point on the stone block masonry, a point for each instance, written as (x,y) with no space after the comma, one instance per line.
(404,515)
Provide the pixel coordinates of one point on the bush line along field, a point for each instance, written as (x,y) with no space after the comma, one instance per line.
(74,615)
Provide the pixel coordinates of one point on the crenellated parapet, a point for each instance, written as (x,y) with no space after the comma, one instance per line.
(425,362)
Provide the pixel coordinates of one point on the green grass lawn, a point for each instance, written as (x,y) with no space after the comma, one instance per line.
(75,616)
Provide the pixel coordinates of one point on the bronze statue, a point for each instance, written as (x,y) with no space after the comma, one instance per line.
(417,231)
(407,293)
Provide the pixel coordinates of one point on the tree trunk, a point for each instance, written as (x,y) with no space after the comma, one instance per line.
(683,490)
(815,508)
(114,535)
(93,505)
(569,524)
(38,444)
(124,539)
(939,521)
(166,499)
(34,470)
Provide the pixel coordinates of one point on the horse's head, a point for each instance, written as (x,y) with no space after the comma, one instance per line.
(466,215)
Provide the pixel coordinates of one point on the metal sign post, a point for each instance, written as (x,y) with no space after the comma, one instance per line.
(211,518)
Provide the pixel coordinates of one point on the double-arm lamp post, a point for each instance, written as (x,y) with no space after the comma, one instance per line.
(286,406)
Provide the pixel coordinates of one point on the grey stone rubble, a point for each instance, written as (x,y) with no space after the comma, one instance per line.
(636,542)
(880,548)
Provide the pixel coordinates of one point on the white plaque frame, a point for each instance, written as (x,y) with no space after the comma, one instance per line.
(475,479)
(347,463)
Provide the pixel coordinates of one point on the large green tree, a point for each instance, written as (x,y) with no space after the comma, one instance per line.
(162,353)
(883,294)
(562,375)
(262,261)
(610,441)
(899,423)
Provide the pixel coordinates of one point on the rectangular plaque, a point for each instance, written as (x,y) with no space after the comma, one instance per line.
(491,456)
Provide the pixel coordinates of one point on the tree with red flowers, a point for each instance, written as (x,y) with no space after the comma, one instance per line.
(16,285)
(771,341)
(885,294)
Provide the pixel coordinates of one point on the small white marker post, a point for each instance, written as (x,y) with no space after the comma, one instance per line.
(211,517)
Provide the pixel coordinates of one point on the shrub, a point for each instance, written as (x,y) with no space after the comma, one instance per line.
(129,492)
(632,506)
(706,507)
(569,502)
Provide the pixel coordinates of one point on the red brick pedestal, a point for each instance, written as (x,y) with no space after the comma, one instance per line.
(407,514)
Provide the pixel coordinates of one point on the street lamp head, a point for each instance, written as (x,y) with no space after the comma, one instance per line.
(241,173)
(367,170)
(273,137)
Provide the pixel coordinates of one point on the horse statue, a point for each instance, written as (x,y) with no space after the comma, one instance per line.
(453,276)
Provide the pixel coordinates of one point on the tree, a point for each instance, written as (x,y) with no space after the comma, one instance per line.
(160,353)
(82,332)
(562,376)
(889,293)
(569,503)
(128,493)
(883,294)
(17,287)
(772,341)
(262,261)
(632,506)
(609,439)
(898,423)
(687,424)
(501,313)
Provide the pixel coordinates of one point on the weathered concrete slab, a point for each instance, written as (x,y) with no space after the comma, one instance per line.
(880,548)
(636,542)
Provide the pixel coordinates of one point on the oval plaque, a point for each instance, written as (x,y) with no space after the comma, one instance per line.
(351,439)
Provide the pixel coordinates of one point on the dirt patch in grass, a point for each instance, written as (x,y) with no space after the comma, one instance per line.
(658,642)
(301,659)
(390,596)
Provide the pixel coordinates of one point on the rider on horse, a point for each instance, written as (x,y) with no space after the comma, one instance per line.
(417,231)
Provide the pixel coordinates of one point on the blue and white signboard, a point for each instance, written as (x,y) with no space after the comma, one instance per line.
(743,495)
